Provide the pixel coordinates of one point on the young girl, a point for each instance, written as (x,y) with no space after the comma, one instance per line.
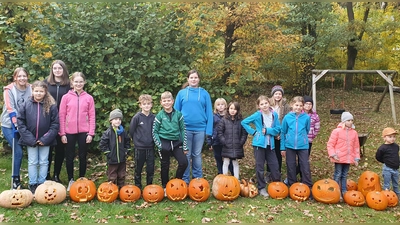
(294,142)
(38,126)
(232,136)
(77,124)
(343,149)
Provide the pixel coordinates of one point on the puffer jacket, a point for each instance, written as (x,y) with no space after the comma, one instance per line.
(314,125)
(232,136)
(344,144)
(213,140)
(115,145)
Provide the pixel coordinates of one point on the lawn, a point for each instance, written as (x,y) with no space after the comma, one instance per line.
(242,210)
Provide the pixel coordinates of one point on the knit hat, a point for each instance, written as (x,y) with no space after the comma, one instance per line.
(388,131)
(277,88)
(346,116)
(116,113)
(308,99)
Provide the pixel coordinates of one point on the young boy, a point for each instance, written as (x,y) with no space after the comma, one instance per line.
(388,154)
(170,138)
(115,144)
(140,131)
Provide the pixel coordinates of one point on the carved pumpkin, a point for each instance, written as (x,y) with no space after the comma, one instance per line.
(50,192)
(326,191)
(351,185)
(369,181)
(299,192)
(377,200)
(225,187)
(82,190)
(107,192)
(248,189)
(278,190)
(391,197)
(176,189)
(129,193)
(16,198)
(153,193)
(199,189)
(354,198)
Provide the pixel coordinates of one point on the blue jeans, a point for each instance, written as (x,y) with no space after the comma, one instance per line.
(38,162)
(390,175)
(340,175)
(195,141)
(17,149)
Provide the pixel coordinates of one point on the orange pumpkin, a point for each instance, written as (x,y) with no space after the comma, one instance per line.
(107,192)
(248,189)
(129,193)
(199,189)
(278,190)
(326,191)
(50,192)
(351,185)
(176,189)
(391,197)
(225,187)
(82,190)
(153,193)
(369,181)
(16,198)
(299,192)
(354,198)
(377,200)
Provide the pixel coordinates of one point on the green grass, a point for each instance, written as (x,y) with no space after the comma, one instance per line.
(246,210)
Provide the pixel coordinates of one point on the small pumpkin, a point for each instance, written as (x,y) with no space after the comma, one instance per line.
(19,198)
(278,190)
(129,193)
(377,200)
(82,190)
(392,198)
(199,189)
(299,192)
(354,198)
(176,189)
(248,189)
(50,192)
(107,192)
(369,181)
(225,187)
(351,185)
(326,191)
(153,193)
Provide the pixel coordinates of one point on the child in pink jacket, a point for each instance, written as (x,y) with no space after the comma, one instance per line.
(343,149)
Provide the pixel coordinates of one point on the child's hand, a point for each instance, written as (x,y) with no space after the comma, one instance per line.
(263,131)
(89,139)
(283,153)
(185,152)
(356,163)
(210,148)
(278,137)
(64,139)
(335,157)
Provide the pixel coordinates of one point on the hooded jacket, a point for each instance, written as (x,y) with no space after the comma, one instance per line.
(232,136)
(344,144)
(294,131)
(12,103)
(115,144)
(140,130)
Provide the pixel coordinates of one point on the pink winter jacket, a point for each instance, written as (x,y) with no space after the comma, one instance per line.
(77,114)
(344,143)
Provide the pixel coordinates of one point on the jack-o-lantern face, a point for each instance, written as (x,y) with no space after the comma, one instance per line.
(176,189)
(369,181)
(153,193)
(351,185)
(50,192)
(326,191)
(82,190)
(278,190)
(129,193)
(225,187)
(299,192)
(199,189)
(107,192)
(354,198)
(16,198)
(392,198)
(248,189)
(376,200)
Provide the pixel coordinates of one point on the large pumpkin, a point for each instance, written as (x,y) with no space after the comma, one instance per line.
(225,187)
(354,198)
(199,189)
(107,192)
(50,192)
(299,192)
(153,193)
(351,185)
(16,198)
(377,200)
(278,190)
(248,189)
(326,191)
(369,181)
(129,193)
(82,190)
(391,197)
(176,189)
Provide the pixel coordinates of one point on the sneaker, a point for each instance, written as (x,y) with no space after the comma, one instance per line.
(16,183)
(285,181)
(32,187)
(263,193)
(57,179)
(70,183)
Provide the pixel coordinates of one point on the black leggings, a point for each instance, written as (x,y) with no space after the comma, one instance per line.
(70,154)
(59,155)
(278,155)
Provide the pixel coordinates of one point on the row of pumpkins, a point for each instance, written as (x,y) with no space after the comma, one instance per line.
(225,188)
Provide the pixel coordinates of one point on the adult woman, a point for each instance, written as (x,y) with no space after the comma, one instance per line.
(58,85)
(14,96)
(195,104)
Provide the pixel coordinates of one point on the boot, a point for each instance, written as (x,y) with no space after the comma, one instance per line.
(33,187)
(16,183)
(57,179)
